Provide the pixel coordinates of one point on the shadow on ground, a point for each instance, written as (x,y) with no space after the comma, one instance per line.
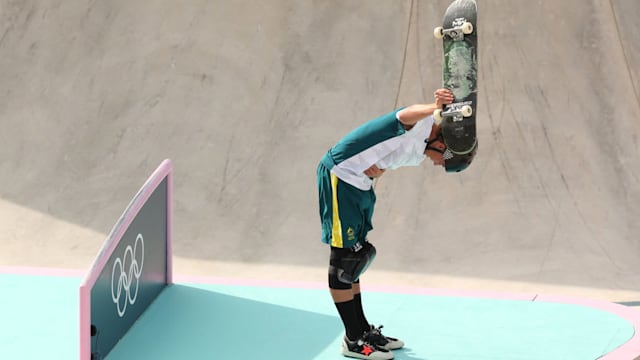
(191,323)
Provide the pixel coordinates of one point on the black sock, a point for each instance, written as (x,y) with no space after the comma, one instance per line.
(350,319)
(362,320)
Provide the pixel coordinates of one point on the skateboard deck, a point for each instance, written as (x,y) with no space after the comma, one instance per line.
(460,75)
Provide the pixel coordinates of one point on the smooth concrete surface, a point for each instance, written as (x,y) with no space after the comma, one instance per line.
(246,96)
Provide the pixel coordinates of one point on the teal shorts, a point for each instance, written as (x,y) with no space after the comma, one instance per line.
(345,211)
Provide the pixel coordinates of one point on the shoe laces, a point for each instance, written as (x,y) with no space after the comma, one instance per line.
(377,329)
(365,341)
(375,336)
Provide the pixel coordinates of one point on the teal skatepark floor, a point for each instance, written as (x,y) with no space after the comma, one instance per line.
(234,319)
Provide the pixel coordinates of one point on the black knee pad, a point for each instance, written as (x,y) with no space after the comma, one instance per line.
(346,265)
(335,283)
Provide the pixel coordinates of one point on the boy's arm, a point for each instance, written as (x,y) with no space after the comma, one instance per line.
(374,171)
(410,115)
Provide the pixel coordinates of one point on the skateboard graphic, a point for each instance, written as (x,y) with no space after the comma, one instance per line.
(459,74)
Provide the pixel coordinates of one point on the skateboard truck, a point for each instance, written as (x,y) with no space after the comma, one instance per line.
(457,111)
(457,32)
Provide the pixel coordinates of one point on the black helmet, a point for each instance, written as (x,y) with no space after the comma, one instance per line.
(455,162)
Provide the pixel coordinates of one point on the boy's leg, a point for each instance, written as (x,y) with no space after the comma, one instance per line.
(357,298)
(343,298)
(354,344)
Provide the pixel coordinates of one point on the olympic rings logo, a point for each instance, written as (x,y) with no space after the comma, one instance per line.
(122,292)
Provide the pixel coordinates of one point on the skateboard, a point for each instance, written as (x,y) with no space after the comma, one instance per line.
(460,75)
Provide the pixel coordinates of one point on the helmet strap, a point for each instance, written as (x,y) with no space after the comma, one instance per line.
(429,142)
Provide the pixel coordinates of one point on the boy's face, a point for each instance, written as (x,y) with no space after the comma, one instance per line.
(436,147)
(436,156)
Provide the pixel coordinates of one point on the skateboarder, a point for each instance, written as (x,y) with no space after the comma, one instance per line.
(403,137)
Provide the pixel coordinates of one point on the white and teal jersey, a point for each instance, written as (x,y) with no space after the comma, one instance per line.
(382,141)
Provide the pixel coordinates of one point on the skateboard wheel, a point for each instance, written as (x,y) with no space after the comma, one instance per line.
(467,28)
(438,32)
(437,115)
(466,111)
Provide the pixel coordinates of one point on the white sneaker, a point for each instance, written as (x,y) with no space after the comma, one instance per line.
(361,349)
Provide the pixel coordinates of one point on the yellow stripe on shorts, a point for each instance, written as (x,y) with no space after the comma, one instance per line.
(336,231)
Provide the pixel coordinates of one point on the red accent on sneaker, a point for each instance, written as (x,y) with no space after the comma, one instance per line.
(366,350)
